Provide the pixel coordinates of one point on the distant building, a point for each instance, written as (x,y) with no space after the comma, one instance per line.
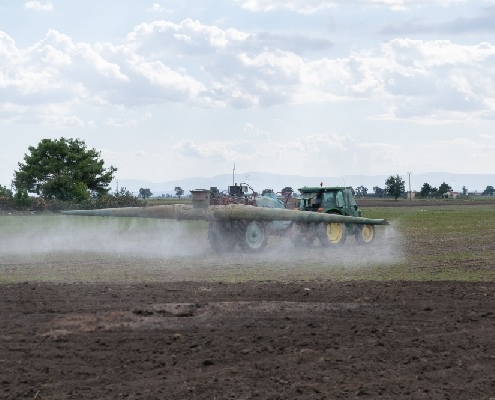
(451,195)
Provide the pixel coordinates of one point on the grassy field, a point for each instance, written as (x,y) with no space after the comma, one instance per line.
(445,242)
(423,243)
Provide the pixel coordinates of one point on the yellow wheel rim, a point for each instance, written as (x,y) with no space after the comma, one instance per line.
(335,232)
(367,233)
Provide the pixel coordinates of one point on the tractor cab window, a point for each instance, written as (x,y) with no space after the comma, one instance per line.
(305,200)
(329,200)
(340,200)
(350,198)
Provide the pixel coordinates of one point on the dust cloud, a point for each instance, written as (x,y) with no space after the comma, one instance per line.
(126,236)
(174,244)
(385,249)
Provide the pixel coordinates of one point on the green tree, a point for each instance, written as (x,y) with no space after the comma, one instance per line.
(489,191)
(287,191)
(4,192)
(21,198)
(63,169)
(267,191)
(465,191)
(425,190)
(379,192)
(361,191)
(395,186)
(178,191)
(145,193)
(444,188)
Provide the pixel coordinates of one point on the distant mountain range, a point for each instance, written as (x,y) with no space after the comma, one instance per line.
(264,180)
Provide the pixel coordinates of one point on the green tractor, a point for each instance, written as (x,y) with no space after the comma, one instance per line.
(330,200)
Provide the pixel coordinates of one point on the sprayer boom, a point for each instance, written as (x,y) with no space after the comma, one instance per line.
(225,212)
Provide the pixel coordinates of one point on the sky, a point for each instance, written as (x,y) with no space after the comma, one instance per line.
(188,88)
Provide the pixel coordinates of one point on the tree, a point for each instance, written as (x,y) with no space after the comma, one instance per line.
(361,191)
(124,192)
(144,193)
(267,191)
(4,192)
(21,198)
(394,186)
(444,188)
(379,192)
(425,190)
(287,191)
(489,191)
(63,169)
(465,191)
(178,191)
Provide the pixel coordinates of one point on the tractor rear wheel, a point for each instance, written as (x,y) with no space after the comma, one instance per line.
(365,234)
(220,237)
(252,236)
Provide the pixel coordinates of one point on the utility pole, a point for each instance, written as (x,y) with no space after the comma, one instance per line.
(410,193)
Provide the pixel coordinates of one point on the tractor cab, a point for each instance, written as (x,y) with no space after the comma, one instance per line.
(236,194)
(332,200)
(238,190)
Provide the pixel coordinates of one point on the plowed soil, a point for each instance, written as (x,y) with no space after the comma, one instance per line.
(254,340)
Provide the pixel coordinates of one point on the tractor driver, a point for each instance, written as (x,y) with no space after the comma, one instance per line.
(318,199)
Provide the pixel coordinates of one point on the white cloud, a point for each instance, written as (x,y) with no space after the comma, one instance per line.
(330,151)
(220,151)
(314,6)
(255,132)
(429,78)
(125,123)
(185,37)
(176,86)
(157,7)
(206,66)
(483,23)
(38,6)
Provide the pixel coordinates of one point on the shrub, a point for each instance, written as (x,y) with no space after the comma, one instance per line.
(38,204)
(5,203)
(21,200)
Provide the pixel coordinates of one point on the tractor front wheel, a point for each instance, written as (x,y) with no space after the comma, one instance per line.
(365,234)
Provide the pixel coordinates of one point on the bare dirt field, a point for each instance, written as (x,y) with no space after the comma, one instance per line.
(266,340)
(201,327)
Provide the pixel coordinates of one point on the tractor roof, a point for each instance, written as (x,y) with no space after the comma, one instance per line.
(316,189)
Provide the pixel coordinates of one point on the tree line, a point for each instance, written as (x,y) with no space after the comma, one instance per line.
(395,186)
